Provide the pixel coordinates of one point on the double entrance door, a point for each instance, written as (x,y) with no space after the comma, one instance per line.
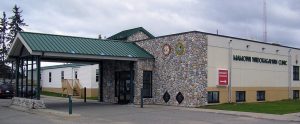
(122,87)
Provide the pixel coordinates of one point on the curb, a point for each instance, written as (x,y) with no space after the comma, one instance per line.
(45,111)
(250,114)
(287,117)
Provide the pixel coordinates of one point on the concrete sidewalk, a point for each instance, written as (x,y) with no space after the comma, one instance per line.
(294,117)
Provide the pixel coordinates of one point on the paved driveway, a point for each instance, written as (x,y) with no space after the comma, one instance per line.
(94,112)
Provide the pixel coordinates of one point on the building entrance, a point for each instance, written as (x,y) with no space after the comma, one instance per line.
(122,87)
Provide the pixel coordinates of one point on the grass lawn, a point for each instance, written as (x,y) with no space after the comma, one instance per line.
(47,93)
(276,107)
(92,98)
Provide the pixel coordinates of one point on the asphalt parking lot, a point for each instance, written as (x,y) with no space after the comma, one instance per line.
(93,112)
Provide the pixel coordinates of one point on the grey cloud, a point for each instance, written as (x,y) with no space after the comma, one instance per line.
(89,18)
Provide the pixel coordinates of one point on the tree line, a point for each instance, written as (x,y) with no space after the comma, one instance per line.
(9,27)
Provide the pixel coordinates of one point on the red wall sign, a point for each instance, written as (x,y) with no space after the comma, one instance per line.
(223,77)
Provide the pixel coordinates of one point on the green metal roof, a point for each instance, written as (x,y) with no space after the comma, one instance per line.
(63,66)
(123,35)
(85,46)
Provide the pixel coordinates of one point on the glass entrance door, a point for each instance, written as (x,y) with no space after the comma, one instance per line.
(123,87)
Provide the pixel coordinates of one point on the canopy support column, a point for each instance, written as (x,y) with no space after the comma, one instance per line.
(26,83)
(101,81)
(22,77)
(131,82)
(17,76)
(38,75)
(31,77)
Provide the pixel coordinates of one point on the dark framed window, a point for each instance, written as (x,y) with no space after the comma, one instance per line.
(213,96)
(147,84)
(76,74)
(296,73)
(97,75)
(295,94)
(62,75)
(50,77)
(240,96)
(260,95)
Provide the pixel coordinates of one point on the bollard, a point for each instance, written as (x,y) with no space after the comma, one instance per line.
(142,101)
(84,94)
(70,104)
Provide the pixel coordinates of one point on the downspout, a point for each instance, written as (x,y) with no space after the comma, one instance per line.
(229,66)
(289,74)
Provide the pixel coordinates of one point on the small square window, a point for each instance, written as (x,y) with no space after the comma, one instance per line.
(213,96)
(260,96)
(240,96)
(295,94)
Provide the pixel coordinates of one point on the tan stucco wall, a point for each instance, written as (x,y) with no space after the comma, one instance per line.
(271,93)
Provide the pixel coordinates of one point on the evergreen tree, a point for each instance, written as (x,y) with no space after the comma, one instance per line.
(3,36)
(4,69)
(15,25)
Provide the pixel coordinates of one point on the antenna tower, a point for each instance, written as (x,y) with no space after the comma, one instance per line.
(265,21)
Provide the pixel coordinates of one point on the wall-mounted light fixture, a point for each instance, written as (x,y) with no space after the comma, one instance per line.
(263,49)
(277,51)
(248,46)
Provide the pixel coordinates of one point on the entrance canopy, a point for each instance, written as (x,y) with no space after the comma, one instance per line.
(59,47)
(29,49)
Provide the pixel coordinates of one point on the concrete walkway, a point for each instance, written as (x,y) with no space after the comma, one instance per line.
(295,117)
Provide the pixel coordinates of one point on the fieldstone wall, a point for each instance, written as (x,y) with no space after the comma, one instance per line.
(28,103)
(137,36)
(139,67)
(109,69)
(173,73)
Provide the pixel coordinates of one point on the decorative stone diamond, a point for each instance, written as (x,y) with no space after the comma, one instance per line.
(166,97)
(179,97)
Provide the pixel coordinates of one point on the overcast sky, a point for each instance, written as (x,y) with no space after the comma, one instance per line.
(89,18)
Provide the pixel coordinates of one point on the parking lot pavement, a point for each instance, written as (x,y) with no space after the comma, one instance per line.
(96,112)
(99,113)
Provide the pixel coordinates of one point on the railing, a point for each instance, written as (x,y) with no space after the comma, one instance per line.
(72,87)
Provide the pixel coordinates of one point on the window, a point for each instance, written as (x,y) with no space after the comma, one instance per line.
(295,94)
(97,75)
(213,97)
(75,74)
(240,96)
(147,84)
(296,73)
(260,95)
(62,75)
(50,76)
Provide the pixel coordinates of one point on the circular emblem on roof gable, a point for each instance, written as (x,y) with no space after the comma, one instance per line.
(180,48)
(166,49)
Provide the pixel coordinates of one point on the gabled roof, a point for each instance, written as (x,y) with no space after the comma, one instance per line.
(58,45)
(123,35)
(64,66)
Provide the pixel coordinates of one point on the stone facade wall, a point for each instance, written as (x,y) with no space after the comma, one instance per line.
(174,73)
(137,36)
(109,69)
(140,66)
